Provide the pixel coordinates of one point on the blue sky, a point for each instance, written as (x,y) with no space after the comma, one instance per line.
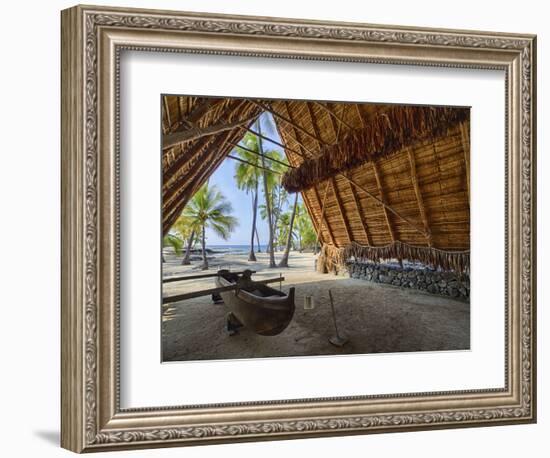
(223,178)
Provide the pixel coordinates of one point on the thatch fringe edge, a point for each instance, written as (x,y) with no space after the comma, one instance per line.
(388,133)
(335,259)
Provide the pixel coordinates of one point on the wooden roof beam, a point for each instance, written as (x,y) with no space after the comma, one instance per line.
(332,113)
(323,219)
(341,209)
(360,212)
(418,194)
(275,142)
(194,133)
(382,197)
(465,138)
(292,123)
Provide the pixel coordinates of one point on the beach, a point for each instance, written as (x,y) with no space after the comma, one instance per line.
(375,318)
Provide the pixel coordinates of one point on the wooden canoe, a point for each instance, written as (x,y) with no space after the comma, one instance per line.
(262,309)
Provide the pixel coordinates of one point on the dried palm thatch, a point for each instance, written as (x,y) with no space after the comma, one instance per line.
(334,259)
(387,133)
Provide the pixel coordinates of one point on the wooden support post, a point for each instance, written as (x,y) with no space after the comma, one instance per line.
(418,194)
(465,135)
(382,197)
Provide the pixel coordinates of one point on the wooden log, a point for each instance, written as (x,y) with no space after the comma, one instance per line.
(194,277)
(194,133)
(207,292)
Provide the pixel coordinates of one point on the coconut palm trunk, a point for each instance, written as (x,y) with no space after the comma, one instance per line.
(284,260)
(251,255)
(267,197)
(187,258)
(258,241)
(203,243)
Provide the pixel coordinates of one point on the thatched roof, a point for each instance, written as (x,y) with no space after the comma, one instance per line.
(386,173)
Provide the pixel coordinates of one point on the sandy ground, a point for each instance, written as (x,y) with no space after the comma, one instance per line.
(375,318)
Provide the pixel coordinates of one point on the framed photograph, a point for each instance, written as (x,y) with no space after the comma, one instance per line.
(277,228)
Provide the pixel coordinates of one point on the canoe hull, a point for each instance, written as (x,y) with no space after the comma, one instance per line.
(264,310)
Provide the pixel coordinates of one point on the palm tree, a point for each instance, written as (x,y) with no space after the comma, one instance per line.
(267,196)
(187,231)
(174,241)
(284,260)
(277,194)
(247,176)
(209,209)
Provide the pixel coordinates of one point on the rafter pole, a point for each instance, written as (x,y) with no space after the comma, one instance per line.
(236,144)
(341,209)
(465,136)
(419,199)
(382,197)
(194,133)
(323,217)
(265,107)
(238,159)
(331,112)
(309,208)
(167,111)
(359,210)
(275,142)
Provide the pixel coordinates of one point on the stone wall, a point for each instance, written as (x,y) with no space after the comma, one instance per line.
(415,277)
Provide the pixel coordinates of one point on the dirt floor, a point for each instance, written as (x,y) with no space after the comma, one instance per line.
(376,318)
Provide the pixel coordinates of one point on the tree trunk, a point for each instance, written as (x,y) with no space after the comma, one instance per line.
(251,255)
(267,198)
(284,261)
(187,258)
(203,242)
(258,241)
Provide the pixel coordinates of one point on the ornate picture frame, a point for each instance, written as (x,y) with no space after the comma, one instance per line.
(92,40)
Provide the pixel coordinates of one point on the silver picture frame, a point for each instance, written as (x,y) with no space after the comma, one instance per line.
(92,41)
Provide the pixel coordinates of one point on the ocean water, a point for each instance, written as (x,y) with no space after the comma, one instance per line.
(237,249)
